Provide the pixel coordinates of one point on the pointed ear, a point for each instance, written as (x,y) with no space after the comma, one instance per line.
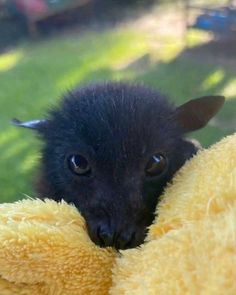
(35,124)
(196,113)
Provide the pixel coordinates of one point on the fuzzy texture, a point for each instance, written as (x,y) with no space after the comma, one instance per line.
(45,250)
(190,249)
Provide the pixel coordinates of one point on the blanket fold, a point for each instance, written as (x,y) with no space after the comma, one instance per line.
(190,249)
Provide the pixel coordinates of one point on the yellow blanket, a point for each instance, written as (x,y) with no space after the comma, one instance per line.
(190,249)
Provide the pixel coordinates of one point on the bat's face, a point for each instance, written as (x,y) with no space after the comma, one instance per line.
(110,149)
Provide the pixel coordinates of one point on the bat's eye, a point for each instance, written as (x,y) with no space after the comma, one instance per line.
(79,165)
(156,165)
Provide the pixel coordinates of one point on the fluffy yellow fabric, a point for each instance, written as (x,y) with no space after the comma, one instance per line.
(190,249)
(45,250)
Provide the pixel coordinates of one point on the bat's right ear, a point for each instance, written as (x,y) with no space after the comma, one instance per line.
(196,113)
(37,125)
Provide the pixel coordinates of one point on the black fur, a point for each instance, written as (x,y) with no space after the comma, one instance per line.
(117,127)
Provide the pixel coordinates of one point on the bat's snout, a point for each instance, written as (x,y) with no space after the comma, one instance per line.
(105,235)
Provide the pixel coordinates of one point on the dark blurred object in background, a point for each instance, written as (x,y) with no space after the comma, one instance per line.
(36,10)
(30,12)
(23,18)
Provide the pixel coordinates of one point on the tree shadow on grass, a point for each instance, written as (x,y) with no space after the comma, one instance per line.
(183,79)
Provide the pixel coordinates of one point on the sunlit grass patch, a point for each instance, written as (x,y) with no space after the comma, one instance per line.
(196,37)
(10,59)
(230,90)
(213,79)
(108,53)
(167,49)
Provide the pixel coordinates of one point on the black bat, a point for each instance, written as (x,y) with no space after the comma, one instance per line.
(111,148)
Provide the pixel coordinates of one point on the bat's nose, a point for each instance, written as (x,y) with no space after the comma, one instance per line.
(105,236)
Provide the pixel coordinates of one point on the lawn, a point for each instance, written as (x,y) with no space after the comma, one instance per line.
(34,75)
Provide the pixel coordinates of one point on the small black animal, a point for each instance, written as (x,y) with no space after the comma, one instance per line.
(110,149)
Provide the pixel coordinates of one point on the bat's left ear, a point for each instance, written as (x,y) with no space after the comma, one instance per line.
(37,125)
(196,113)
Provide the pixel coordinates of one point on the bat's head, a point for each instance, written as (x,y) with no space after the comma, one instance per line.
(110,149)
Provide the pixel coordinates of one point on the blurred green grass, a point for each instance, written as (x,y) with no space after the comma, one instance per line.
(34,75)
